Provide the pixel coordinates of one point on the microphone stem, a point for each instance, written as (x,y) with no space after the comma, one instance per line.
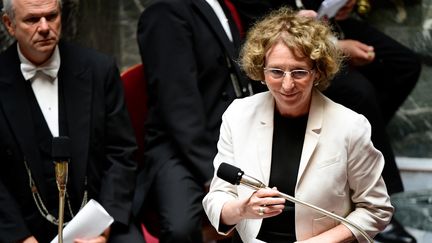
(61,172)
(61,215)
(327,213)
(256,185)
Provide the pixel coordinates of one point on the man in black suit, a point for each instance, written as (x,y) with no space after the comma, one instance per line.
(380,75)
(50,89)
(188,48)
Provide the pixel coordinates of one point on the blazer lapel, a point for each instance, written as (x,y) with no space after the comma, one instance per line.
(233,26)
(231,48)
(17,112)
(265,137)
(77,92)
(313,131)
(207,12)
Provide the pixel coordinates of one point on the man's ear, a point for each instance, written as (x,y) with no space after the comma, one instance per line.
(10,26)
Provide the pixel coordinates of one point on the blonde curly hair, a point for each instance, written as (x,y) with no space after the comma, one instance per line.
(305,36)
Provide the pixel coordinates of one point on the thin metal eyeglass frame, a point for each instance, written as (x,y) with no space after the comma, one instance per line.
(309,72)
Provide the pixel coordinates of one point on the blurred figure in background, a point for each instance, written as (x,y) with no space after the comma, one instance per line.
(188,48)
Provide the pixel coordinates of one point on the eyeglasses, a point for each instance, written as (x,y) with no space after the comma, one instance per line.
(297,74)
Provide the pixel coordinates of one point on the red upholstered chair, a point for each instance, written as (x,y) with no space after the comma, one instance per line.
(135,89)
(149,238)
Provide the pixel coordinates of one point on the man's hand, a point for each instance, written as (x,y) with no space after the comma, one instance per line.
(30,239)
(307,13)
(346,10)
(359,54)
(103,238)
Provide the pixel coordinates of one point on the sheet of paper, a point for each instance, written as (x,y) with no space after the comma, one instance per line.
(90,222)
(329,8)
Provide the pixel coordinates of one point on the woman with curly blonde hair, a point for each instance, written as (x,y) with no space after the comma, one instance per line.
(298,140)
(307,37)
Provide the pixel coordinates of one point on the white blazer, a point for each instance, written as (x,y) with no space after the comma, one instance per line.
(340,170)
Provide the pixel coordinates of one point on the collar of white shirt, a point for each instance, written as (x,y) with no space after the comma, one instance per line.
(50,67)
(217,8)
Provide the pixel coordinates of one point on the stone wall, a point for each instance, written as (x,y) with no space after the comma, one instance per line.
(411,129)
(5,40)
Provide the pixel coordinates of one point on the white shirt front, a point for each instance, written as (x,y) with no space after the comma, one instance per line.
(45,89)
(217,8)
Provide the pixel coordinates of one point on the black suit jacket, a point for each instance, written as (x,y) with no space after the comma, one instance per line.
(190,69)
(100,132)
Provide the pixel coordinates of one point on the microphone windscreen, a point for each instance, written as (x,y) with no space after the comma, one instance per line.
(229,173)
(60,149)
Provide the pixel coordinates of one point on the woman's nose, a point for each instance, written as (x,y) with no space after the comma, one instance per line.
(287,82)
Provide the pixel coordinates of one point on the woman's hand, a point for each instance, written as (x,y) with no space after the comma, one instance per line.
(359,54)
(263,203)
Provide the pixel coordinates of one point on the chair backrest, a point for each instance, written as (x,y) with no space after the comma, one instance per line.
(135,88)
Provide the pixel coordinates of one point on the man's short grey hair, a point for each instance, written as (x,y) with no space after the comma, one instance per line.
(8,8)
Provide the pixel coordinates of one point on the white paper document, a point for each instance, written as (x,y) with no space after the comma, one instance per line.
(90,222)
(329,8)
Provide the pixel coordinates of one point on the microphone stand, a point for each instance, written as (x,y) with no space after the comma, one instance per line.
(61,156)
(61,172)
(246,180)
(327,213)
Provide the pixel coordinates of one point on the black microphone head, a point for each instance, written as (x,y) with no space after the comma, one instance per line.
(229,173)
(60,149)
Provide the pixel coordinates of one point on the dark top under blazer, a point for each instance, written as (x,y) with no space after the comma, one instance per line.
(99,127)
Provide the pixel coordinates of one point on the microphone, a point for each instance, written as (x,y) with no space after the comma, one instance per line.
(236,176)
(61,156)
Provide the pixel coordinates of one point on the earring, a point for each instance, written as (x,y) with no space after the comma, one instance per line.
(315,83)
(263,82)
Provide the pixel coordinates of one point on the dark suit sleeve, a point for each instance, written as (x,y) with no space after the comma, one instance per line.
(167,50)
(118,182)
(12,225)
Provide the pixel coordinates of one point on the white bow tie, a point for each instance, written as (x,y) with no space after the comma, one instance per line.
(29,70)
